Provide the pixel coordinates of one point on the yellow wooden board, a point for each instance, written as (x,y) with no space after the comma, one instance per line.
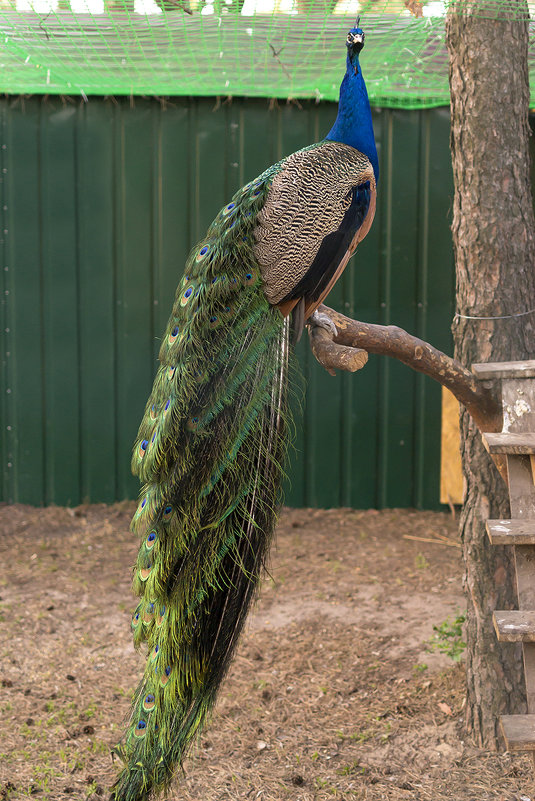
(451,477)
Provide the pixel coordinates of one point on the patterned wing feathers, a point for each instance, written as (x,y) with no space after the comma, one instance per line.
(307,201)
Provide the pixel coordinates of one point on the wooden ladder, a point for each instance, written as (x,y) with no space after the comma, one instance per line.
(516,443)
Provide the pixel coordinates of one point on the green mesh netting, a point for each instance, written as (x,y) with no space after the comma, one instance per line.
(262,48)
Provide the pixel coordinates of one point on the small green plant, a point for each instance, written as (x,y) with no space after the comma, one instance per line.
(90,711)
(361,736)
(421,562)
(448,638)
(420,668)
(354,767)
(90,789)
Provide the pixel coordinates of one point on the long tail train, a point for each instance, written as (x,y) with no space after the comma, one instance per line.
(210,451)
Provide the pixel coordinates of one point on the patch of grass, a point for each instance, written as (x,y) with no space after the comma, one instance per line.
(90,711)
(420,668)
(354,767)
(421,562)
(99,747)
(448,638)
(361,736)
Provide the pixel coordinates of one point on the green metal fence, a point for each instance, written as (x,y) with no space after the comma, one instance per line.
(100,203)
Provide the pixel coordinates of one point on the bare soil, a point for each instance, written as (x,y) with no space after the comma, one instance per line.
(333,693)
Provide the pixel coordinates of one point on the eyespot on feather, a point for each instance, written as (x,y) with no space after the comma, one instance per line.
(149,702)
(150,542)
(193,424)
(153,413)
(160,616)
(250,277)
(144,572)
(170,373)
(155,652)
(142,506)
(142,448)
(148,614)
(135,620)
(229,209)
(166,407)
(141,728)
(186,296)
(165,677)
(202,253)
(173,336)
(167,512)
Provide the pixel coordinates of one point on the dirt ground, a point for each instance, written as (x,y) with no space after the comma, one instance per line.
(333,694)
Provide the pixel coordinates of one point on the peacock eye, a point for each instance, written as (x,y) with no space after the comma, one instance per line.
(249,278)
(201,254)
(228,209)
(186,296)
(173,335)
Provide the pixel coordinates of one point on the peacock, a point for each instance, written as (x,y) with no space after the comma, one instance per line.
(211,447)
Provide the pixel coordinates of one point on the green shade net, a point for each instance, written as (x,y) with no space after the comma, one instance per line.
(258,48)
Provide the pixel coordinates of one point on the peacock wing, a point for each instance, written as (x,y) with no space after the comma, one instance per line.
(320,205)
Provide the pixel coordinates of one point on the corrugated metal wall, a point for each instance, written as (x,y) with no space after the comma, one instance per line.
(100,203)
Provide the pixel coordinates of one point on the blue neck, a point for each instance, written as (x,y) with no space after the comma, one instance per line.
(353,124)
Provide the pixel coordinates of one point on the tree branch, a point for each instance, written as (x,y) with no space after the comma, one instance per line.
(349,349)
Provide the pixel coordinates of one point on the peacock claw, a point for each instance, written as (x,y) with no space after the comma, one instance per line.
(324,321)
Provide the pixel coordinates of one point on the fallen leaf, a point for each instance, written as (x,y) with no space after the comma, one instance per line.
(445,708)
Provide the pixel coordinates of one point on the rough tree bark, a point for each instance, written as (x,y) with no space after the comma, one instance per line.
(493,236)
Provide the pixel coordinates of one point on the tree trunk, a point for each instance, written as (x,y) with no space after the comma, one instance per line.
(493,236)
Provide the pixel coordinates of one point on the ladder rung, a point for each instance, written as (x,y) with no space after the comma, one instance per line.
(518,732)
(517,443)
(514,625)
(511,532)
(505,370)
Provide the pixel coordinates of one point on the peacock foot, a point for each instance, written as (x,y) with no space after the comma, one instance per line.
(324,321)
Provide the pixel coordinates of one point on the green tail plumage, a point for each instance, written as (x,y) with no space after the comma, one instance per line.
(210,451)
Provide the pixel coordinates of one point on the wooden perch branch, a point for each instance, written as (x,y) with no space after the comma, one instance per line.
(349,349)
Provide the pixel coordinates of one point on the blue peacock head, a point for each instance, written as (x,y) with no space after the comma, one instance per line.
(355,40)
